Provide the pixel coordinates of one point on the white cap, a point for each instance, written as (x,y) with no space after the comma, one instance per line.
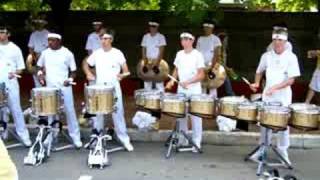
(208,25)
(186,35)
(54,35)
(152,23)
(107,36)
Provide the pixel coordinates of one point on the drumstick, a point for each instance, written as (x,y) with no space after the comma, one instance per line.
(174,79)
(17,75)
(246,81)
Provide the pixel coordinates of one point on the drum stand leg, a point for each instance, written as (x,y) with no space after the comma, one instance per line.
(173,142)
(58,130)
(98,155)
(263,156)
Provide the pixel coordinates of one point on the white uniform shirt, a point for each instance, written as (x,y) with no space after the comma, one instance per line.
(38,40)
(278,69)
(93,42)
(206,45)
(188,65)
(152,44)
(107,64)
(57,64)
(11,60)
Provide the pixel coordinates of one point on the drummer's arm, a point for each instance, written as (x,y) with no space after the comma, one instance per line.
(217,55)
(125,72)
(197,78)
(144,54)
(171,82)
(283,84)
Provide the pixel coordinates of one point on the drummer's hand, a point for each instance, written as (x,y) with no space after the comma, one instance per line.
(66,83)
(169,85)
(184,84)
(254,87)
(270,91)
(119,77)
(90,77)
(11,75)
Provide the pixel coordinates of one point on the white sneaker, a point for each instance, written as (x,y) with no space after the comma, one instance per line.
(77,143)
(26,141)
(285,155)
(128,146)
(27,111)
(194,150)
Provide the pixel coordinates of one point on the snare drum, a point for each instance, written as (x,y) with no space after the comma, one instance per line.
(174,104)
(228,105)
(45,101)
(202,105)
(99,99)
(304,116)
(247,111)
(3,95)
(139,97)
(152,100)
(275,117)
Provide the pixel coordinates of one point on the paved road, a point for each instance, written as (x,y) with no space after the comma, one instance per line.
(147,162)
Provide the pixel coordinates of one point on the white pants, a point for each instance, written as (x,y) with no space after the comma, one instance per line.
(70,113)
(36,81)
(117,116)
(283,138)
(196,127)
(159,85)
(213,92)
(15,108)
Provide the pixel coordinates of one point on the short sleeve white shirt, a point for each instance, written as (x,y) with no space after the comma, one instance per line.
(152,44)
(38,40)
(93,42)
(57,64)
(188,65)
(206,45)
(107,64)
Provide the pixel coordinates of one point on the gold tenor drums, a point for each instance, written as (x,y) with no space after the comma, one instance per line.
(152,100)
(150,75)
(99,99)
(174,104)
(304,116)
(275,117)
(228,105)
(247,111)
(3,95)
(260,105)
(139,97)
(45,101)
(202,105)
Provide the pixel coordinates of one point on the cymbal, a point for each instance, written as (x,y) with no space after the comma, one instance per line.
(218,79)
(150,75)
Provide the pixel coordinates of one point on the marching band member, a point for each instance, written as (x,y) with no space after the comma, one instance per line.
(210,46)
(288,44)
(189,68)
(314,85)
(11,65)
(57,65)
(38,42)
(93,40)
(281,68)
(109,62)
(153,45)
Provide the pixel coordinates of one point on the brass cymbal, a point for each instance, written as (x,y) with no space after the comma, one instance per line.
(150,75)
(219,77)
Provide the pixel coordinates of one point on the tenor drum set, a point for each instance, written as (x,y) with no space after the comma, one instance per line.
(100,100)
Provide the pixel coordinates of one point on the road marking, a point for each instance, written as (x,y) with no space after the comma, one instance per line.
(85,177)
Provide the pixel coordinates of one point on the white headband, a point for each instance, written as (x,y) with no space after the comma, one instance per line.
(97,23)
(152,23)
(279,27)
(54,35)
(208,25)
(186,35)
(40,21)
(280,36)
(107,36)
(4,31)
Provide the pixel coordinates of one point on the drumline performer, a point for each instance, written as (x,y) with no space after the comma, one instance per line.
(281,68)
(189,68)
(12,65)
(109,62)
(210,47)
(153,45)
(57,69)
(38,42)
(93,41)
(314,86)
